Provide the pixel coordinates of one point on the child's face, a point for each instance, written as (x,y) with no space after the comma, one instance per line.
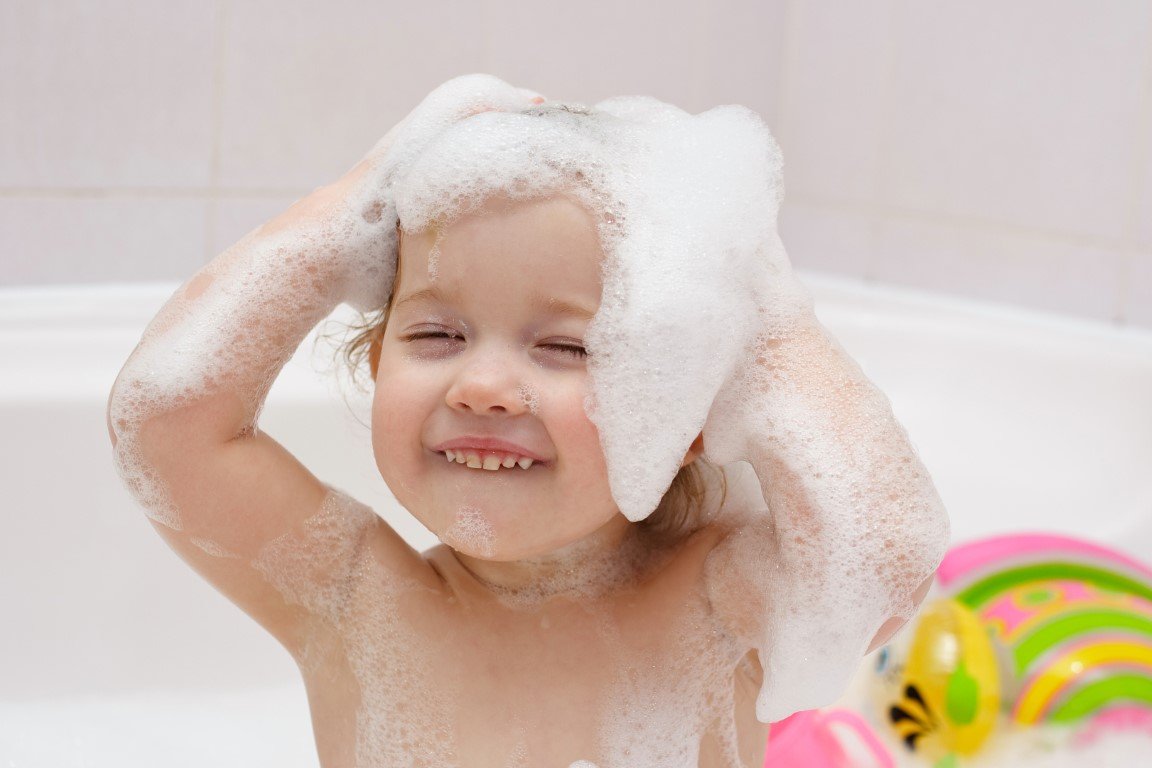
(502,360)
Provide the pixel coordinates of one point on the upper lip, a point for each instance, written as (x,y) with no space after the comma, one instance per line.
(487,444)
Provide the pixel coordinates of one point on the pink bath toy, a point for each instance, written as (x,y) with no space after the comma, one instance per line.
(808,739)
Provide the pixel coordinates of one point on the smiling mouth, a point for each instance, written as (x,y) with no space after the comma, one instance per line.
(490,461)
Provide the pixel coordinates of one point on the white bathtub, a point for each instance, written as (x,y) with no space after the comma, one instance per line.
(114,653)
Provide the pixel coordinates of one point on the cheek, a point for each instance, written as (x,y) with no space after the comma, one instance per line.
(581,442)
(398,411)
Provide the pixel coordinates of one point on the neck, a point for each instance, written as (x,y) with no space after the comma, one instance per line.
(609,557)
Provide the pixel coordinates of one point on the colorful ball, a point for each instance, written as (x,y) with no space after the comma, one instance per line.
(1032,629)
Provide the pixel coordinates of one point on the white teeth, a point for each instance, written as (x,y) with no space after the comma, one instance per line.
(490,462)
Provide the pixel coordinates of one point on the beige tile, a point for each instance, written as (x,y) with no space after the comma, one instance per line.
(309,87)
(825,239)
(742,56)
(234,218)
(1138,290)
(90,240)
(834,101)
(1143,208)
(1039,129)
(1004,267)
(105,94)
(589,52)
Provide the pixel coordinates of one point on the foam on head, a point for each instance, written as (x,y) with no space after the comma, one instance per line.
(698,299)
(683,203)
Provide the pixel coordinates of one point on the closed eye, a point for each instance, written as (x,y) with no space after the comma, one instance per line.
(431,335)
(569,349)
(575,350)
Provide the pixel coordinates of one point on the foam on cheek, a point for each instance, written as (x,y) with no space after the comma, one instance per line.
(531,398)
(518,758)
(471,532)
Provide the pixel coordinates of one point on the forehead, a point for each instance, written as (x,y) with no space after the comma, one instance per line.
(547,250)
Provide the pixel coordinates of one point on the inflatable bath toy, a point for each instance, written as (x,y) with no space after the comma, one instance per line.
(1029,629)
(808,739)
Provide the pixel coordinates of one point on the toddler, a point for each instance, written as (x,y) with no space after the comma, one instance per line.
(672,509)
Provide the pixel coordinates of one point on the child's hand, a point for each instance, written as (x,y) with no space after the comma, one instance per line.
(357,213)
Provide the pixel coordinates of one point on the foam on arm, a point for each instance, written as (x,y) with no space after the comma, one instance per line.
(853,524)
(223,337)
(226,334)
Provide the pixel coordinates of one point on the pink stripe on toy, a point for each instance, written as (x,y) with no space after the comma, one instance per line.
(989,554)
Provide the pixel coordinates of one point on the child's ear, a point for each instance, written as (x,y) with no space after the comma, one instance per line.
(694,450)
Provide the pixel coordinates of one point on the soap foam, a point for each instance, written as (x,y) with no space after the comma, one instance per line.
(682,203)
(471,532)
(703,326)
(530,397)
(696,284)
(325,568)
(213,548)
(587,574)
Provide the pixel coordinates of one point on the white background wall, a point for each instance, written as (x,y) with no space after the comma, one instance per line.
(998,149)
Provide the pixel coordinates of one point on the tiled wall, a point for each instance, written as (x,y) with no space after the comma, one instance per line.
(995,149)
(1000,149)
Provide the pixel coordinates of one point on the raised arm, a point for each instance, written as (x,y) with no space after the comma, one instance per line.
(183,413)
(853,530)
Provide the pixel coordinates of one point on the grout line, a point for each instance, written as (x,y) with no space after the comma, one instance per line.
(1123,280)
(782,79)
(707,63)
(1141,185)
(961,222)
(149,193)
(217,92)
(1140,180)
(882,183)
(212,209)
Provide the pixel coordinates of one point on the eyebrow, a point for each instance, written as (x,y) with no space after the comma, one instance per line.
(553,306)
(426,295)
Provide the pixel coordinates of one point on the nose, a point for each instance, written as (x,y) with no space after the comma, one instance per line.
(488,383)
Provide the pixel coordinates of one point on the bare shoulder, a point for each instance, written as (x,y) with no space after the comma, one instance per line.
(742,552)
(389,549)
(343,548)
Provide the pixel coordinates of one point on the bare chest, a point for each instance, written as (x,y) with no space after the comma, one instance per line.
(637,681)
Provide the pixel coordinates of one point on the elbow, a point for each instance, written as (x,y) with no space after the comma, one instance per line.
(890,627)
(887,630)
(108,417)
